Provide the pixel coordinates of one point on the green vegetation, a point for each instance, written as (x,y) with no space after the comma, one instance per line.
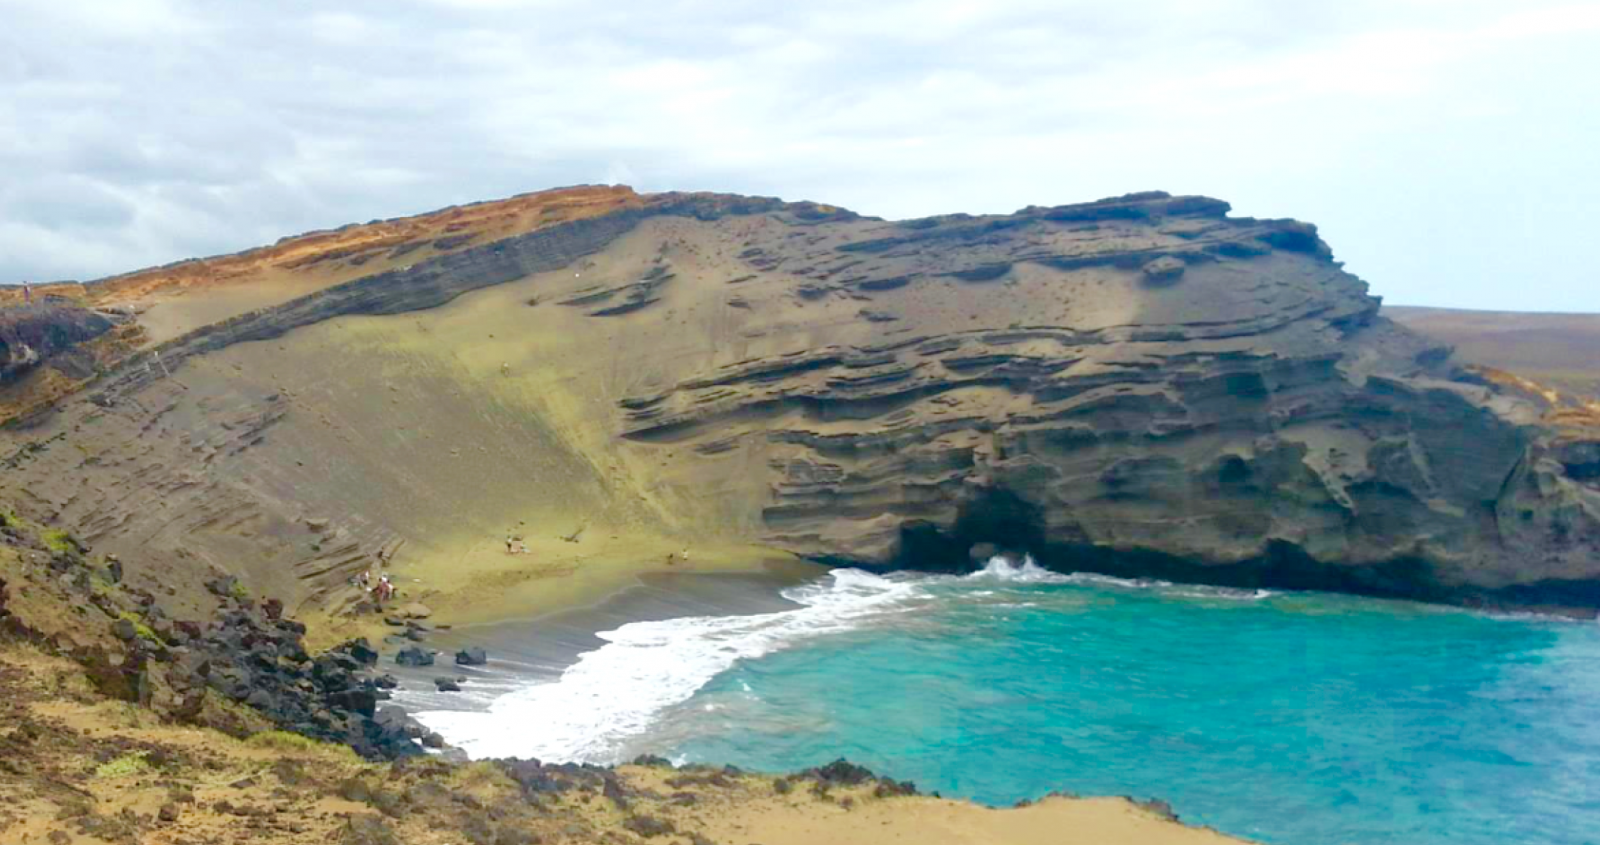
(287,742)
(239,592)
(100,585)
(283,741)
(132,763)
(139,625)
(58,540)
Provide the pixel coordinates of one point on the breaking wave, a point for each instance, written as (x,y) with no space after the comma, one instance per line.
(616,691)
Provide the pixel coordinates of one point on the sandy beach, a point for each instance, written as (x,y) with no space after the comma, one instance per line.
(554,578)
(534,650)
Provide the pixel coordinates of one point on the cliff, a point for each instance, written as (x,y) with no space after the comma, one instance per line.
(1141,386)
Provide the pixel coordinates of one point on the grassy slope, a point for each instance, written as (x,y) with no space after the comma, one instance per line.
(455,427)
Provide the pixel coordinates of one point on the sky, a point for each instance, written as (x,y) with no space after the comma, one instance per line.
(1449,150)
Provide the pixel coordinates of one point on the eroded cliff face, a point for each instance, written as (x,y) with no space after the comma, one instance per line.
(1141,385)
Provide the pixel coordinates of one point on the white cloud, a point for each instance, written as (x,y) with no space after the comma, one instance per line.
(1416,132)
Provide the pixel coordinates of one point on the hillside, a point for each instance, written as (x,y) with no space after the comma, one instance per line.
(1562,350)
(1142,385)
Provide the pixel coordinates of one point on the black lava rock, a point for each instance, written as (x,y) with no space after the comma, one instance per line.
(414,656)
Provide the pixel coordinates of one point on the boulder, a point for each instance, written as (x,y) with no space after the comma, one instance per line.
(261,700)
(472,656)
(223,587)
(446,685)
(414,610)
(361,701)
(164,629)
(124,629)
(393,717)
(1164,269)
(360,651)
(414,656)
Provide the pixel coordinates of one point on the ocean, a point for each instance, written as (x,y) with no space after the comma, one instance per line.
(1278,717)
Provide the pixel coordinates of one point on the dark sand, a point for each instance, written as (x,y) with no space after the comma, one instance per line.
(529,651)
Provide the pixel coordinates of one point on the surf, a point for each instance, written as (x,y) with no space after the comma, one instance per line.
(615,693)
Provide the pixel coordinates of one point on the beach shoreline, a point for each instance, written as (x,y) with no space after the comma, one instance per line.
(530,651)
(554,579)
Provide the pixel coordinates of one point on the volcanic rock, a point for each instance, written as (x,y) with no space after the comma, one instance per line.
(414,656)
(1142,385)
(1163,269)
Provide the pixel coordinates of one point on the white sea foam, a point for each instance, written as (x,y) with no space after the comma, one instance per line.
(616,691)
(1004,569)
(1000,568)
(1031,573)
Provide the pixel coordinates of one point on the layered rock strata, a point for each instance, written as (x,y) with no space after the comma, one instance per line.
(1141,386)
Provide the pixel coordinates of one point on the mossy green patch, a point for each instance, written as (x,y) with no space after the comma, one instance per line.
(288,742)
(132,763)
(139,626)
(58,540)
(283,741)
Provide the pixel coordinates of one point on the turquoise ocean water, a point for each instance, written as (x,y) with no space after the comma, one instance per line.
(1280,717)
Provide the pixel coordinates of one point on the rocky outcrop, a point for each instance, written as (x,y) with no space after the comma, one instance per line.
(1142,386)
(31,335)
(245,669)
(1246,418)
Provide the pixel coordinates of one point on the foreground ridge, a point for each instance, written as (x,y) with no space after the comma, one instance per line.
(126,725)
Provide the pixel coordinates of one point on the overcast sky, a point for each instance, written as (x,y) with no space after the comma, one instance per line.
(1449,149)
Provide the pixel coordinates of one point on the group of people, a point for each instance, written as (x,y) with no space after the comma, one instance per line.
(381,591)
